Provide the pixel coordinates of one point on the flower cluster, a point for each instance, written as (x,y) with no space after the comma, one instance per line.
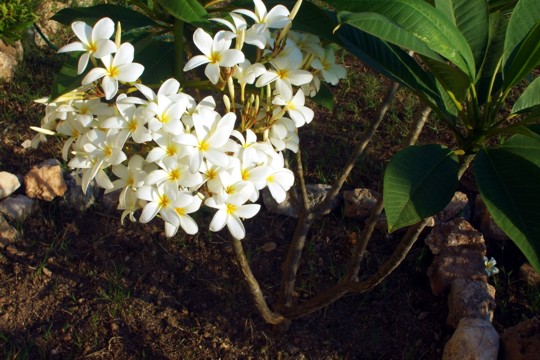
(168,154)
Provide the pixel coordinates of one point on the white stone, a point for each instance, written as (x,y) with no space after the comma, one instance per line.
(359,202)
(8,184)
(45,182)
(474,339)
(18,207)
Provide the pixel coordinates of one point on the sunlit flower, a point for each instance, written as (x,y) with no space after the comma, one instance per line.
(93,41)
(287,70)
(230,212)
(216,53)
(276,18)
(294,105)
(119,68)
(161,199)
(326,64)
(184,204)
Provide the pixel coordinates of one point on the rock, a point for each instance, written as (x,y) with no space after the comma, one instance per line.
(269,246)
(10,56)
(522,342)
(75,198)
(45,10)
(8,184)
(459,250)
(470,299)
(8,234)
(474,339)
(316,195)
(45,182)
(529,275)
(485,222)
(359,202)
(18,207)
(455,207)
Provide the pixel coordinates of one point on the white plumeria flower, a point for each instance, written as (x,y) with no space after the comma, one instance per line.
(132,121)
(246,73)
(184,204)
(230,212)
(104,149)
(216,53)
(283,135)
(167,114)
(130,178)
(251,151)
(276,18)
(119,68)
(280,180)
(211,138)
(287,70)
(73,127)
(491,269)
(161,198)
(167,147)
(326,64)
(176,171)
(93,41)
(237,28)
(294,105)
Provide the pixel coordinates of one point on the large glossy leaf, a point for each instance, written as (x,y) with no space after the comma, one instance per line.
(529,99)
(455,81)
(390,61)
(67,78)
(417,18)
(489,78)
(190,11)
(158,60)
(524,59)
(419,181)
(129,18)
(525,16)
(509,182)
(471,18)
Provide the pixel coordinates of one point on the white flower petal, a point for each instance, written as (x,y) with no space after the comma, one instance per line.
(218,221)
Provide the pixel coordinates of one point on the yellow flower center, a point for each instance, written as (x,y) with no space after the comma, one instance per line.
(231,209)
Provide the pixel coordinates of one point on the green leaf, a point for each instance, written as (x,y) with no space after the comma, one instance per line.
(157,57)
(324,97)
(420,20)
(419,181)
(67,78)
(190,11)
(489,78)
(471,18)
(454,81)
(525,16)
(529,99)
(391,61)
(508,182)
(524,59)
(130,19)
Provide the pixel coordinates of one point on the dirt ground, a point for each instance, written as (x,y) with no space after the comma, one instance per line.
(81,285)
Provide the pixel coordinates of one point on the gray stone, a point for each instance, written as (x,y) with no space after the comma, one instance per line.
(474,339)
(459,250)
(45,182)
(359,202)
(74,196)
(316,195)
(45,10)
(18,207)
(472,299)
(528,274)
(8,184)
(10,56)
(455,207)
(8,234)
(522,342)
(485,222)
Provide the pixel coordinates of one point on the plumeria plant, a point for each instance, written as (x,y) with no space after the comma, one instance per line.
(125,105)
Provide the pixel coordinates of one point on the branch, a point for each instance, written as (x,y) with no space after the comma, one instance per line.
(358,151)
(254,288)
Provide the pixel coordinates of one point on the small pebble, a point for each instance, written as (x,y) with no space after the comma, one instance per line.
(423,315)
(269,246)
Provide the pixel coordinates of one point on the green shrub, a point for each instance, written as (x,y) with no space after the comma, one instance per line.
(15,17)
